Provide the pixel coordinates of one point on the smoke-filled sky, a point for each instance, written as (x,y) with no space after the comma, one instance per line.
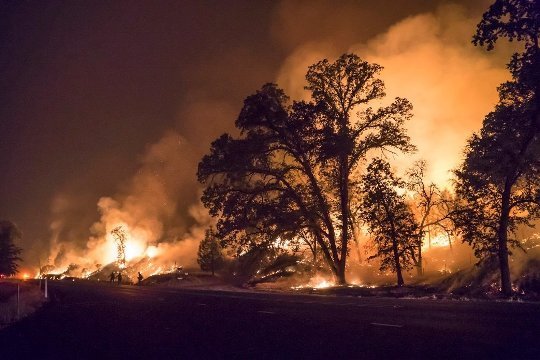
(107,106)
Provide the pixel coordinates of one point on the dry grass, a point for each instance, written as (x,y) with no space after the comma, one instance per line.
(30,299)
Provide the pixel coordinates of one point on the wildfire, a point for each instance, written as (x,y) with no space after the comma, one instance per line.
(151,251)
(323,284)
(317,282)
(437,241)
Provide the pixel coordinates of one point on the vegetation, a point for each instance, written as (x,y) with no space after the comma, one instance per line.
(433,210)
(120,238)
(389,218)
(498,183)
(292,171)
(293,174)
(210,257)
(9,252)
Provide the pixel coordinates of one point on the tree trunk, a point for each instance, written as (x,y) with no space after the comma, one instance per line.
(341,274)
(344,200)
(506,285)
(212,261)
(315,254)
(420,265)
(400,281)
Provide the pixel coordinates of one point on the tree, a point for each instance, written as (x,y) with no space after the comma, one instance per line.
(390,220)
(292,169)
(209,256)
(498,182)
(9,252)
(515,20)
(120,237)
(433,210)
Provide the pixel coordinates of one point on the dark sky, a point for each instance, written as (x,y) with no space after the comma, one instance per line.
(87,86)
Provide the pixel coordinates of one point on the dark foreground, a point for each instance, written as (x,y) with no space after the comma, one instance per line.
(97,321)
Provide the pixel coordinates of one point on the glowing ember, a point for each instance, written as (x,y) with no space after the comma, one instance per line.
(323,284)
(317,282)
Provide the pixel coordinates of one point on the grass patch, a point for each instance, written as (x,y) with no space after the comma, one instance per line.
(30,299)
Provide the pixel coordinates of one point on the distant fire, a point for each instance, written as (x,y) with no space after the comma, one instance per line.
(439,240)
(316,282)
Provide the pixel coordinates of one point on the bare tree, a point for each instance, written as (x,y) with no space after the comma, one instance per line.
(120,237)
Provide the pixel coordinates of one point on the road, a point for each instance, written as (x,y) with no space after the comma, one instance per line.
(101,321)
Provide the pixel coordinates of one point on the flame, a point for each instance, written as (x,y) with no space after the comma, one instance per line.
(323,284)
(316,282)
(133,250)
(135,244)
(439,240)
(152,251)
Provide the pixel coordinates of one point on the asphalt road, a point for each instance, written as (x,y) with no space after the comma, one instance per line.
(102,321)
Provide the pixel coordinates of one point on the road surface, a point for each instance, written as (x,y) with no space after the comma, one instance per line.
(101,321)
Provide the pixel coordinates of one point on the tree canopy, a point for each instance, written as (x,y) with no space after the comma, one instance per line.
(209,256)
(389,218)
(9,252)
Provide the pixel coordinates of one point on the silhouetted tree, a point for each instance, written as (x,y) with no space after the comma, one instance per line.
(120,237)
(390,220)
(291,170)
(210,257)
(498,182)
(9,252)
(433,210)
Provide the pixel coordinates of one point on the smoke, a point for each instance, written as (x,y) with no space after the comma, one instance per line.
(428,59)
(148,208)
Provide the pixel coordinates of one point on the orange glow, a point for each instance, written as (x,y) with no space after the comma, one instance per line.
(323,284)
(151,251)
(436,241)
(133,250)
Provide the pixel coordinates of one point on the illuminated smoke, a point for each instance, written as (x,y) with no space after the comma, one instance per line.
(147,210)
(428,59)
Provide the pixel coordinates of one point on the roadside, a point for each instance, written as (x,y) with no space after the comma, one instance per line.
(30,299)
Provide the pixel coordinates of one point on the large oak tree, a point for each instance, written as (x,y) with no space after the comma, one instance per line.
(291,170)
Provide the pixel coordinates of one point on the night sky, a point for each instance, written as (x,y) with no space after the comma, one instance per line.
(90,88)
